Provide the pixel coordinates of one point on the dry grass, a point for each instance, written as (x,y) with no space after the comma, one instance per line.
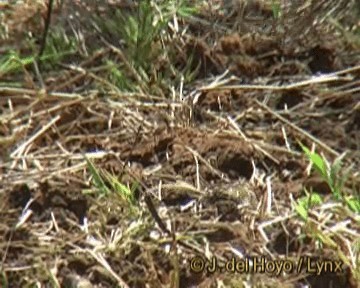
(123,159)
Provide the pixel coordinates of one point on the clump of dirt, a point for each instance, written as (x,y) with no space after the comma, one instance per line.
(250,56)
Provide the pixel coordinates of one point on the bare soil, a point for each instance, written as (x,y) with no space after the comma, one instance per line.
(206,163)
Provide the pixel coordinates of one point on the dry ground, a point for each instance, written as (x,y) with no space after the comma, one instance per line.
(216,158)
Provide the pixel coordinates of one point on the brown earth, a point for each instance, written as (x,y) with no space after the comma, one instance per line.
(204,164)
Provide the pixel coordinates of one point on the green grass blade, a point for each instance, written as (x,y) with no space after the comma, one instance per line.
(97,179)
(317,161)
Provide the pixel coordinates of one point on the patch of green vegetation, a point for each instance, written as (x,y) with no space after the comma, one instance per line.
(4,282)
(276,9)
(105,183)
(335,178)
(58,47)
(12,62)
(145,38)
(307,202)
(117,76)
